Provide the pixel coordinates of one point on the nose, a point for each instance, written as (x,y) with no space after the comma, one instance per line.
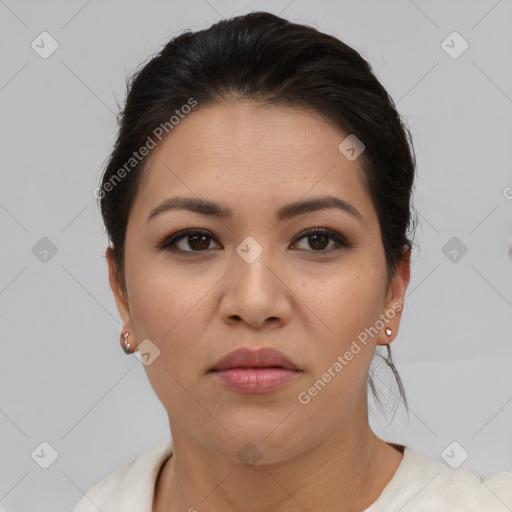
(256,293)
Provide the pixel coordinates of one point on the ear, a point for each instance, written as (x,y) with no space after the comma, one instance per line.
(117,290)
(395,299)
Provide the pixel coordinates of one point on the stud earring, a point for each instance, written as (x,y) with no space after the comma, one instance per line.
(388,331)
(124,343)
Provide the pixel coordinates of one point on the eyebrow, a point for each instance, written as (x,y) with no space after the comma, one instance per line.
(206,207)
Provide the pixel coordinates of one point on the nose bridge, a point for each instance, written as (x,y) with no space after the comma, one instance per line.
(254,292)
(251,266)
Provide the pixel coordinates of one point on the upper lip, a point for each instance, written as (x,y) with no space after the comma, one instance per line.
(250,357)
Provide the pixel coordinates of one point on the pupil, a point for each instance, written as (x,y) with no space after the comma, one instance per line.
(315,237)
(194,239)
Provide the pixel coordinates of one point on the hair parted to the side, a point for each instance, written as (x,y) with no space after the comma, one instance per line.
(263,57)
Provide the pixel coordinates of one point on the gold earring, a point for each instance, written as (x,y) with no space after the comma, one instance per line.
(124,343)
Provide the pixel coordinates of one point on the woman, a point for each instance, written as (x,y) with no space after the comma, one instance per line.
(258,206)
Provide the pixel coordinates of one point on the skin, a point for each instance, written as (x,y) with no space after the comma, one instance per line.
(298,297)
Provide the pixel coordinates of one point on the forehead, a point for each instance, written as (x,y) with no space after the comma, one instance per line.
(243,149)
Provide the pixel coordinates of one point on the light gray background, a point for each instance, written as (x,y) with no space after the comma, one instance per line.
(63,376)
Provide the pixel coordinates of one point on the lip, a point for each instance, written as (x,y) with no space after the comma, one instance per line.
(264,357)
(254,380)
(255,371)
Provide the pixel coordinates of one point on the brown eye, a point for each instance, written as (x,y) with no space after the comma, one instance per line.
(191,240)
(318,241)
(198,242)
(319,238)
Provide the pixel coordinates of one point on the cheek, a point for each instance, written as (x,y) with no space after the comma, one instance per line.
(168,310)
(172,308)
(347,299)
(342,351)
(341,309)
(161,296)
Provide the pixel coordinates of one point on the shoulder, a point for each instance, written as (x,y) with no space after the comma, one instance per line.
(433,485)
(129,485)
(496,491)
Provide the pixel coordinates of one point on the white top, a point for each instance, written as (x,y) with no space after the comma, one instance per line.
(419,484)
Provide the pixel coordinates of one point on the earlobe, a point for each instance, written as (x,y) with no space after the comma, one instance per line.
(395,299)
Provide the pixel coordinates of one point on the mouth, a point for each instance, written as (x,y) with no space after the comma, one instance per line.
(254,371)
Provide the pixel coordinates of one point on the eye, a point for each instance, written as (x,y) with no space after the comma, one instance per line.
(318,239)
(197,239)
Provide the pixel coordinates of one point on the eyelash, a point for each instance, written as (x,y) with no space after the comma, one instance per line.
(167,243)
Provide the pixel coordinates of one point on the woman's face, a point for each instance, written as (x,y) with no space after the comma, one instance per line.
(256,280)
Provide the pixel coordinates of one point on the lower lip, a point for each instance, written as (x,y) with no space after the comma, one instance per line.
(255,380)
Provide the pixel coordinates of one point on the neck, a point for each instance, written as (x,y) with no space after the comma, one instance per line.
(350,471)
